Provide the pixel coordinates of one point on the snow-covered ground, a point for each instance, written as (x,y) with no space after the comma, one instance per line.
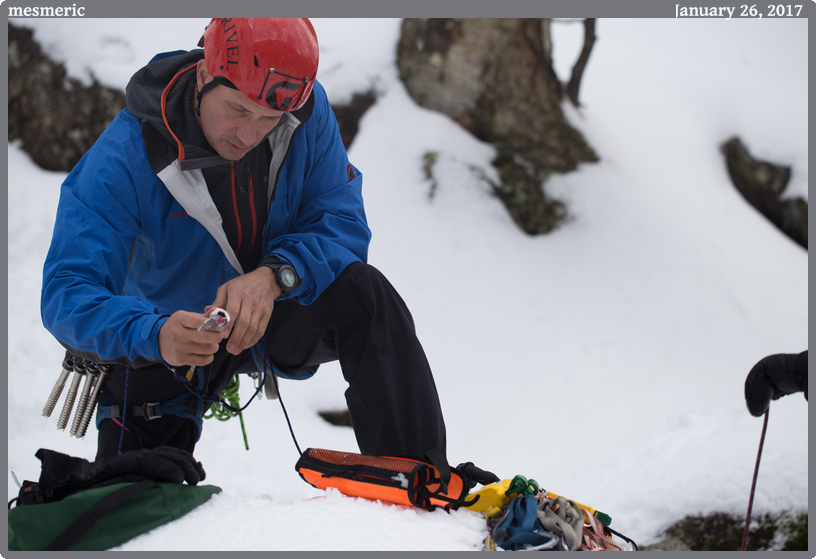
(605,360)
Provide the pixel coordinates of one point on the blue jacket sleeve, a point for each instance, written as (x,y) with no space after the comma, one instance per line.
(329,229)
(97,223)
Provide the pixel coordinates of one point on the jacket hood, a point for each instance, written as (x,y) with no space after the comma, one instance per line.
(144,91)
(146,94)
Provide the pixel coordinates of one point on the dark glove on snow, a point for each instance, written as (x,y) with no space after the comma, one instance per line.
(773,377)
(162,464)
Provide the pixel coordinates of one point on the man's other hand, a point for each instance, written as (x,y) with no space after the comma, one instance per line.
(773,377)
(249,300)
(180,342)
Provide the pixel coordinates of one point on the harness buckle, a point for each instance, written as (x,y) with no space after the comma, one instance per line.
(148,411)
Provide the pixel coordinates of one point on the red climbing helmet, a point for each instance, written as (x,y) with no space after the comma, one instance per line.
(271,61)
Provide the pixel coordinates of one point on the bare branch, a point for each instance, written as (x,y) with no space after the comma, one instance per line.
(578,69)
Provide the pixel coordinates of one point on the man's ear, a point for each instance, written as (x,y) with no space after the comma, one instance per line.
(202,75)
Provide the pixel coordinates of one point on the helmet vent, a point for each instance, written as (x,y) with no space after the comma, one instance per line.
(256,62)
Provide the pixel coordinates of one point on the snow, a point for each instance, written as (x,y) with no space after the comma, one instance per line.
(605,360)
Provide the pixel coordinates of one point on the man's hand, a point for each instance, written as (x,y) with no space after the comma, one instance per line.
(249,300)
(180,343)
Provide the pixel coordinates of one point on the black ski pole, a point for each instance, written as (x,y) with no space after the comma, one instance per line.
(753,483)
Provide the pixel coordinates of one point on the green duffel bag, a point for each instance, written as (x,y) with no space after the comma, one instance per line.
(93,506)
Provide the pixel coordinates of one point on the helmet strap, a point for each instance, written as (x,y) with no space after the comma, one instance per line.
(207,86)
(218,80)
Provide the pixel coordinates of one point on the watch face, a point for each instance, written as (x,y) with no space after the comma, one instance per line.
(288,276)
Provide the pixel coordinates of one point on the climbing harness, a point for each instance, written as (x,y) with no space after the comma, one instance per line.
(226,405)
(222,406)
(753,483)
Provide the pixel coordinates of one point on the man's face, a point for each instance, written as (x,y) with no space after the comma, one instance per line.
(232,124)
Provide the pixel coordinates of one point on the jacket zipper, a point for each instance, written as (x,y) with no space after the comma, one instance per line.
(235,205)
(252,205)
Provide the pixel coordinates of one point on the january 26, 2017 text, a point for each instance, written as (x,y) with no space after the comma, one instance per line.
(745,10)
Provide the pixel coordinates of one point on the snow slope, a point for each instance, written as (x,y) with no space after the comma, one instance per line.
(605,360)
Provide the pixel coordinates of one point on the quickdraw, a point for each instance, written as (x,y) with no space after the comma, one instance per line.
(521,516)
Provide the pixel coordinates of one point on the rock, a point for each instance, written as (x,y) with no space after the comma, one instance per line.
(762,183)
(348,116)
(57,118)
(494,78)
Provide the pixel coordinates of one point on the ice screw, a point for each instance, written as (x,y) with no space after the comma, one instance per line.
(104,370)
(79,372)
(67,368)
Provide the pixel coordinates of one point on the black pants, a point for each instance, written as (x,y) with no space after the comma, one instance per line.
(359,319)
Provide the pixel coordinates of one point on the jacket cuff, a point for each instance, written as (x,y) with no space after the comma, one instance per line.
(148,343)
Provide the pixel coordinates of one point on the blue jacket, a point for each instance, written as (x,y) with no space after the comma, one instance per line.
(132,243)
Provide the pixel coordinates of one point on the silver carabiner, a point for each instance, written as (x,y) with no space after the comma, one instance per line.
(218,319)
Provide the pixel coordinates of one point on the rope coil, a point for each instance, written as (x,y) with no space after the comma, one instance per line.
(224,412)
(229,396)
(269,369)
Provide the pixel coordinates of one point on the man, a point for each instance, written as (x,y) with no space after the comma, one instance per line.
(225,184)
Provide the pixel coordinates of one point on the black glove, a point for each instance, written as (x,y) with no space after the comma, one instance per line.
(164,463)
(773,377)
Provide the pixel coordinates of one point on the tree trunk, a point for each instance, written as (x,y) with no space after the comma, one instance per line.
(495,78)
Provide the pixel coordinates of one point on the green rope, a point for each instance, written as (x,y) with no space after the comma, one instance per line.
(221,413)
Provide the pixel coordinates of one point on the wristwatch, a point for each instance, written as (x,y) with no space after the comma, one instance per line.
(286,277)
